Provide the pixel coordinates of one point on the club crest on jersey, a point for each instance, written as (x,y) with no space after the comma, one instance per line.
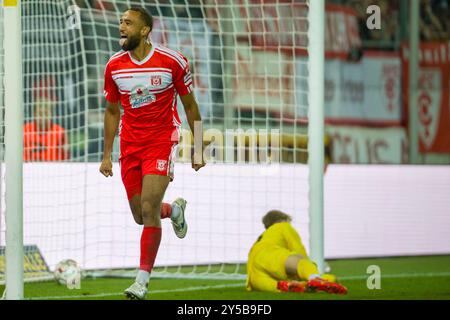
(161,165)
(156,80)
(140,96)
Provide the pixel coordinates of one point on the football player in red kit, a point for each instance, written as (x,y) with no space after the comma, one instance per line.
(146,80)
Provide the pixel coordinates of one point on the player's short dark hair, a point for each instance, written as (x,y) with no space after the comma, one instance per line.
(274,216)
(145,16)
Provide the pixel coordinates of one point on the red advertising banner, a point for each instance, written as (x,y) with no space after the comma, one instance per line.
(274,24)
(433,97)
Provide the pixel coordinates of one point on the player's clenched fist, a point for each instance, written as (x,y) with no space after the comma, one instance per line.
(197,166)
(106,168)
(197,159)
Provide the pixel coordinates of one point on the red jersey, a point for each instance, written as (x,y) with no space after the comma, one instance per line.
(44,145)
(148,92)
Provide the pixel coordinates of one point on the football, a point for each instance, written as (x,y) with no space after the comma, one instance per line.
(67,272)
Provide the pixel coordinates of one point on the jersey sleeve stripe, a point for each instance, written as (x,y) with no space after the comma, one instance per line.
(174,53)
(118,52)
(172,58)
(153,91)
(114,57)
(131,74)
(117,55)
(180,61)
(141,70)
(160,90)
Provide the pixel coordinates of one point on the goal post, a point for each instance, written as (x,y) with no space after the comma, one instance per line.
(316,52)
(13,149)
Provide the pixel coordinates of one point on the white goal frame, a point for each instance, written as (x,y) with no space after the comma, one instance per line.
(13,149)
(316,84)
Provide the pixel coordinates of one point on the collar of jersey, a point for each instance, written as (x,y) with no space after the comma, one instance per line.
(143,60)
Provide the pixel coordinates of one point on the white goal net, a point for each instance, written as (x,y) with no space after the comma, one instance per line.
(251,79)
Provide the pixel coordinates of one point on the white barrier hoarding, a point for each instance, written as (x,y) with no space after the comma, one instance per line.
(71,211)
(387,210)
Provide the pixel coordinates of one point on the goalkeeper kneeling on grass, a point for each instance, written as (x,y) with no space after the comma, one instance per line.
(278,261)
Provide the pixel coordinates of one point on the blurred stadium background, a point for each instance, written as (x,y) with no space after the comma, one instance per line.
(383,196)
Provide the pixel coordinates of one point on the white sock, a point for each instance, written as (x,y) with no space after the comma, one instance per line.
(143,277)
(176,211)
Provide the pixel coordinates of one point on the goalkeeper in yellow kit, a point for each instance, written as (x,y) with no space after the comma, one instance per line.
(278,261)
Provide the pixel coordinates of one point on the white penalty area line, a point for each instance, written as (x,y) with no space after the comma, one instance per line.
(100,295)
(242,284)
(399,275)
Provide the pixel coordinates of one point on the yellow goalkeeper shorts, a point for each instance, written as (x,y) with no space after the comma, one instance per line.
(267,268)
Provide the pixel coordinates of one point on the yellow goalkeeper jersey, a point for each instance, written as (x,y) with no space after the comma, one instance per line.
(269,253)
(281,235)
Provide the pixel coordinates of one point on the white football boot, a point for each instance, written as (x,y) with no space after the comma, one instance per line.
(137,291)
(179,223)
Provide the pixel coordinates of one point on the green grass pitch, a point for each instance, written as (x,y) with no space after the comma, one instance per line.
(401,278)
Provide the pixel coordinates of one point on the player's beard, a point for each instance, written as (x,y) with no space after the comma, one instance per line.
(131,43)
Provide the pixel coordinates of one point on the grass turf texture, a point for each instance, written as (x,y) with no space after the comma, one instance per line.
(401,278)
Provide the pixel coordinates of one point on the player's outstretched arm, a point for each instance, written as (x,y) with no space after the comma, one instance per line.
(111,123)
(194,119)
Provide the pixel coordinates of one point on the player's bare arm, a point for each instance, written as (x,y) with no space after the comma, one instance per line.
(193,115)
(111,123)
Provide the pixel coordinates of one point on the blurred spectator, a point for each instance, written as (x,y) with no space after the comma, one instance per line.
(442,9)
(434,17)
(384,38)
(430,26)
(389,22)
(360,7)
(434,21)
(43,139)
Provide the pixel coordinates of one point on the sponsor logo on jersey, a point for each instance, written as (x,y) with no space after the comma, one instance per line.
(140,97)
(161,165)
(156,80)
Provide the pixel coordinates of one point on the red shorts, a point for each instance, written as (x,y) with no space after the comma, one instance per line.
(138,161)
